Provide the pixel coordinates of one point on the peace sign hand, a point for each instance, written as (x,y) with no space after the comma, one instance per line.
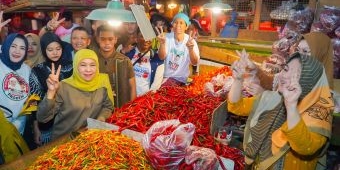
(160,35)
(3,23)
(292,90)
(53,79)
(54,22)
(190,44)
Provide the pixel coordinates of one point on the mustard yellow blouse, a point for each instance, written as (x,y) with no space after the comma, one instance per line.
(304,143)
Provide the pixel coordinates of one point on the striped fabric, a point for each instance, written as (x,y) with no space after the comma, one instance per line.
(261,133)
(310,74)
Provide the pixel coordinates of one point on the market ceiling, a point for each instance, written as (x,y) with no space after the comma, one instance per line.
(48,5)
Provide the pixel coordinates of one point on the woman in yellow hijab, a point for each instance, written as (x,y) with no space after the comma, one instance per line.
(86,94)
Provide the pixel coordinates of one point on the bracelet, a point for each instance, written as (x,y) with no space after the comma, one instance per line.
(47,29)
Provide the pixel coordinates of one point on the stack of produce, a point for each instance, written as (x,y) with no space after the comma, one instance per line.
(330,24)
(198,84)
(95,149)
(187,104)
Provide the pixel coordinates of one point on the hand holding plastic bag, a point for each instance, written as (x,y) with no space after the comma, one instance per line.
(249,65)
(166,141)
(219,85)
(244,66)
(201,158)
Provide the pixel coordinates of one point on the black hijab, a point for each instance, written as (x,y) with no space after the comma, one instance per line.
(47,39)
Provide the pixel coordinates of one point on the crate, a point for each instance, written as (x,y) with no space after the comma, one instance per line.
(219,117)
(96,124)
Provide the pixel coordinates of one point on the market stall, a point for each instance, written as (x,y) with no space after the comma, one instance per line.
(188,104)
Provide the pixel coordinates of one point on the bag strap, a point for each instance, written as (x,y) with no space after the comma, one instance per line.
(140,56)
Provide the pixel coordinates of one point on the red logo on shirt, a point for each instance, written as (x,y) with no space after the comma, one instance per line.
(15,87)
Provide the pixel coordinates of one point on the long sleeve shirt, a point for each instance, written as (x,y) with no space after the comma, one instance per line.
(71,107)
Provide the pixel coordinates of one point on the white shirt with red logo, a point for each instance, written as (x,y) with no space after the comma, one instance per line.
(14,92)
(142,72)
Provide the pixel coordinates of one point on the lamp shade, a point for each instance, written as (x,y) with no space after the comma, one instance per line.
(113,11)
(217,4)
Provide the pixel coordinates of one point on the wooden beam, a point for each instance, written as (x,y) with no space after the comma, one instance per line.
(257,17)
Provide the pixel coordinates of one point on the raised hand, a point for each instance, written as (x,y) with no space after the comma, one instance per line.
(253,88)
(290,89)
(5,22)
(160,35)
(54,22)
(53,79)
(190,43)
(244,57)
(238,70)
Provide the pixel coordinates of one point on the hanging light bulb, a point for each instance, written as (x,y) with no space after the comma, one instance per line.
(115,23)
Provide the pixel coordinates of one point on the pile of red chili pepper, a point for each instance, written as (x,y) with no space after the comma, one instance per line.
(183,103)
(197,85)
(95,149)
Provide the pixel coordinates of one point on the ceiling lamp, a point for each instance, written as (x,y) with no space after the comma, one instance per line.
(172,6)
(113,13)
(217,6)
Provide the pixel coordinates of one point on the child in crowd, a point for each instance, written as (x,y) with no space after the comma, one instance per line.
(149,69)
(116,65)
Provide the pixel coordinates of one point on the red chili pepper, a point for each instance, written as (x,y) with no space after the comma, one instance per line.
(187,104)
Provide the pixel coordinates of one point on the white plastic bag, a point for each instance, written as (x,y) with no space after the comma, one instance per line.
(219,85)
(201,158)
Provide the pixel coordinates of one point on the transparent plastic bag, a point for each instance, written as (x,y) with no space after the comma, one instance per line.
(330,18)
(218,86)
(318,27)
(282,46)
(250,80)
(273,64)
(201,158)
(302,20)
(337,32)
(336,58)
(336,98)
(166,141)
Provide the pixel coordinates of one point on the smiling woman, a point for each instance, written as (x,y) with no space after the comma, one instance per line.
(34,55)
(86,94)
(54,51)
(295,120)
(14,79)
